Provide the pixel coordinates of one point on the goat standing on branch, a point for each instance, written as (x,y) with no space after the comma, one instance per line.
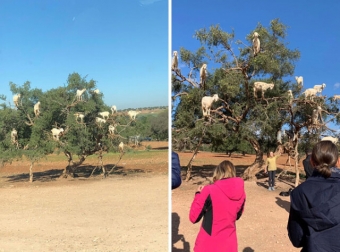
(37,109)
(174,64)
(262,86)
(207,102)
(114,109)
(256,43)
(299,80)
(132,114)
(79,94)
(56,133)
(16,99)
(104,114)
(203,75)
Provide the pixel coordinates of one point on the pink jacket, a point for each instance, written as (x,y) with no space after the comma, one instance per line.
(220,205)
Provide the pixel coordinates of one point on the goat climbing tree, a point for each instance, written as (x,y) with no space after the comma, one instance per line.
(232,70)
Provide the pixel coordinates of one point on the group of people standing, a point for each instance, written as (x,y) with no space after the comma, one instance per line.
(314,217)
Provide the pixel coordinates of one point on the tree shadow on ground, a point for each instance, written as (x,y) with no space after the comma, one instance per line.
(207,171)
(283,203)
(45,176)
(264,184)
(81,172)
(176,237)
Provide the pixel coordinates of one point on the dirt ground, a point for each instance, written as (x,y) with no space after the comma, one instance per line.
(263,225)
(127,211)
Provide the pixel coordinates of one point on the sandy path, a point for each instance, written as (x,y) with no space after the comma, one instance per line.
(115,214)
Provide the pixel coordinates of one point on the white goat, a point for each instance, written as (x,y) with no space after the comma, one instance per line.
(256,43)
(79,94)
(319,88)
(335,97)
(37,109)
(174,64)
(14,136)
(290,96)
(56,133)
(299,80)
(262,86)
(96,91)
(203,74)
(111,129)
(113,109)
(121,147)
(104,114)
(100,120)
(132,114)
(329,138)
(79,115)
(310,92)
(207,102)
(16,99)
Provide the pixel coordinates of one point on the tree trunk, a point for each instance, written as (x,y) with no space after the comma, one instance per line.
(297,171)
(31,172)
(253,169)
(189,166)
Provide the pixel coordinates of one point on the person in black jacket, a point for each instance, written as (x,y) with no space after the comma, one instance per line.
(314,218)
(176,171)
(307,165)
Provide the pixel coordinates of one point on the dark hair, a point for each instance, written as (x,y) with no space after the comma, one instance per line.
(324,156)
(308,151)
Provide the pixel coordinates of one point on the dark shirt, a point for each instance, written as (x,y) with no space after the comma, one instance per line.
(176,171)
(307,166)
(314,218)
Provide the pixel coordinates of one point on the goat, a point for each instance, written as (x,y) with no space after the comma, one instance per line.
(319,88)
(262,86)
(14,136)
(207,102)
(114,109)
(290,96)
(104,114)
(174,64)
(79,115)
(16,99)
(203,74)
(79,94)
(256,43)
(299,80)
(310,92)
(121,147)
(335,97)
(96,91)
(37,109)
(132,114)
(100,120)
(56,133)
(329,138)
(111,129)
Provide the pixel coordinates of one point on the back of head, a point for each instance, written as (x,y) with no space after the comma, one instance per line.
(324,157)
(226,169)
(308,151)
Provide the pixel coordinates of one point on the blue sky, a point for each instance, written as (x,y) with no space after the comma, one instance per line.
(123,45)
(314,29)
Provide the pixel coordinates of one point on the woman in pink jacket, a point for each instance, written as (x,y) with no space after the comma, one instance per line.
(220,204)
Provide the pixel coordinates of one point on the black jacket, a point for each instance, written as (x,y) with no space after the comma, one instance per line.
(307,166)
(176,171)
(314,218)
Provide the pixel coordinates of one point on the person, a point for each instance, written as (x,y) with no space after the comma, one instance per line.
(270,167)
(307,165)
(314,217)
(176,180)
(220,204)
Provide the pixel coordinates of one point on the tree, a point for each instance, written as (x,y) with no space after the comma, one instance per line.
(239,113)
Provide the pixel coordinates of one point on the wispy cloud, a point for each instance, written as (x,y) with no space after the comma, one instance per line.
(148,2)
(336,85)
